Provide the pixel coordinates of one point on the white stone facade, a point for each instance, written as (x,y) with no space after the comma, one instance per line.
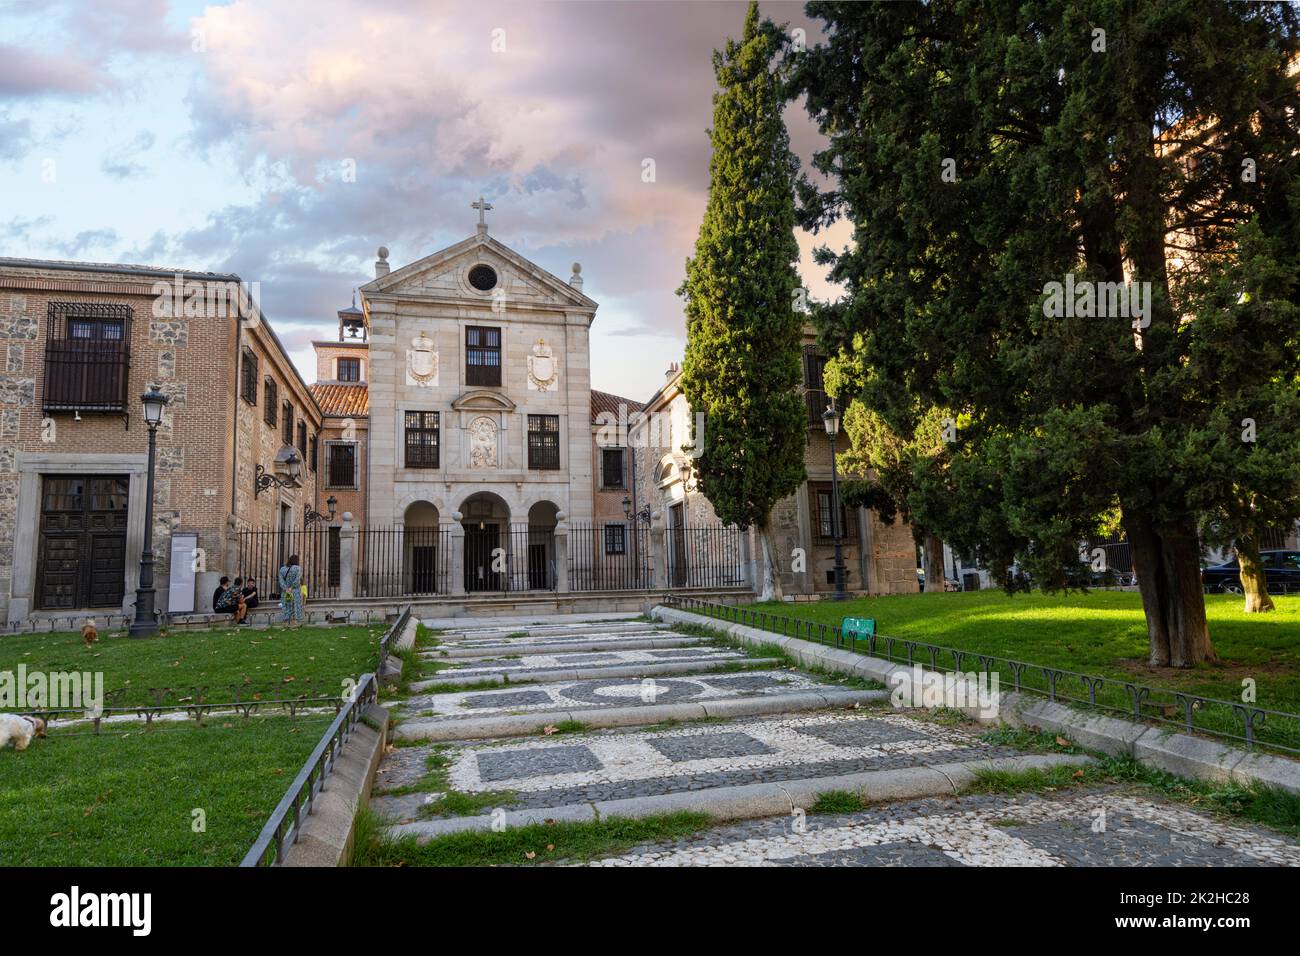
(419,317)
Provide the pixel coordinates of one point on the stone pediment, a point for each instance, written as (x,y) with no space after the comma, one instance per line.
(482,400)
(445,276)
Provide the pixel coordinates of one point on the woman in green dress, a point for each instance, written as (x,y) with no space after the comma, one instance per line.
(290,580)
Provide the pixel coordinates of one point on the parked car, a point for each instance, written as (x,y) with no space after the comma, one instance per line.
(1281,568)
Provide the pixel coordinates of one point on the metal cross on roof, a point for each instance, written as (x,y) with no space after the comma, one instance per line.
(482,206)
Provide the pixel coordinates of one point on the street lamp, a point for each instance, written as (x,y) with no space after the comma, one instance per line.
(831,419)
(146,622)
(310,515)
(642,516)
(288,469)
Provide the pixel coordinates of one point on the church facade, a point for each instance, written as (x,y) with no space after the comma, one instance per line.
(479,408)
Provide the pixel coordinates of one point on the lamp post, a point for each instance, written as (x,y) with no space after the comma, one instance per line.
(146,621)
(831,419)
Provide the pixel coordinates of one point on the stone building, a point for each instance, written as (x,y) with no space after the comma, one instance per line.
(880,558)
(479,409)
(81,343)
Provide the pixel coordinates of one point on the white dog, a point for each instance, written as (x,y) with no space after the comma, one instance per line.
(19,728)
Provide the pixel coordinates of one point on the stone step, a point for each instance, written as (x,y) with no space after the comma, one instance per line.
(631,671)
(469,633)
(613,643)
(734,769)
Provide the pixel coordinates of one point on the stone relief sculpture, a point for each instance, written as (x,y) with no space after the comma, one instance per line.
(422,362)
(542,373)
(482,443)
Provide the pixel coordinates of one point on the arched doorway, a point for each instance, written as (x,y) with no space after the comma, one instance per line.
(486,519)
(424,559)
(542,518)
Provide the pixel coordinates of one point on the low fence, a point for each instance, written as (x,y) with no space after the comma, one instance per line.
(1237,721)
(609,556)
(285,823)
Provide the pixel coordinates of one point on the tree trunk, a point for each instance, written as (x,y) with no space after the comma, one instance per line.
(771,590)
(932,561)
(1167,562)
(1254,582)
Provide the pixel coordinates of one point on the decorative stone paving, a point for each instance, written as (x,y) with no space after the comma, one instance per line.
(1095,827)
(703,655)
(612,765)
(1029,830)
(620,692)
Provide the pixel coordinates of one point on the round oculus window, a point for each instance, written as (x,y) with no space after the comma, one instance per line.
(483,278)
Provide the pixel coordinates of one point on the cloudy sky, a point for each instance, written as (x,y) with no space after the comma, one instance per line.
(225,136)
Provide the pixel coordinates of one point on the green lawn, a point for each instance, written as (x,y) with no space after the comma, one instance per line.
(1101,632)
(128,798)
(304,661)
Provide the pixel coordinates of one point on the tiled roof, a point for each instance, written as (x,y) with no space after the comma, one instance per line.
(609,402)
(335,398)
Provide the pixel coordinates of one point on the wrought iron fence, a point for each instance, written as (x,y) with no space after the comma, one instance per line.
(609,556)
(402,561)
(704,557)
(517,557)
(1238,721)
(262,552)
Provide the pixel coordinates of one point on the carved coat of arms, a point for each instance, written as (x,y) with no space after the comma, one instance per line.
(422,362)
(542,373)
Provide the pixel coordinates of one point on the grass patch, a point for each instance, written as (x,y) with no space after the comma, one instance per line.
(426,637)
(304,661)
(569,727)
(456,803)
(837,801)
(127,798)
(1101,633)
(449,687)
(1256,802)
(522,846)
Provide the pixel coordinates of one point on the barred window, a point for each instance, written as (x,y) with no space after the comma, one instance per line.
(611,468)
(314,453)
(482,355)
(421,439)
(248,384)
(287,433)
(825,525)
(87,357)
(615,539)
(349,370)
(302,437)
(544,442)
(341,464)
(269,398)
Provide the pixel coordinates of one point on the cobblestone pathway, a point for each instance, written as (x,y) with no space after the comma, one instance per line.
(770,743)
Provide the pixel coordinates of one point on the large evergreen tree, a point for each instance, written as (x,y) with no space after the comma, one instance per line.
(743,331)
(985,149)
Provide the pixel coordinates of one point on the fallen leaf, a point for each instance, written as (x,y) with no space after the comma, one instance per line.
(1062,742)
(531,855)
(1078,774)
(550,847)
(550,729)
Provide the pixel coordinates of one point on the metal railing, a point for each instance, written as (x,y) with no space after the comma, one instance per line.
(609,556)
(517,557)
(263,551)
(704,557)
(399,561)
(1239,721)
(285,823)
